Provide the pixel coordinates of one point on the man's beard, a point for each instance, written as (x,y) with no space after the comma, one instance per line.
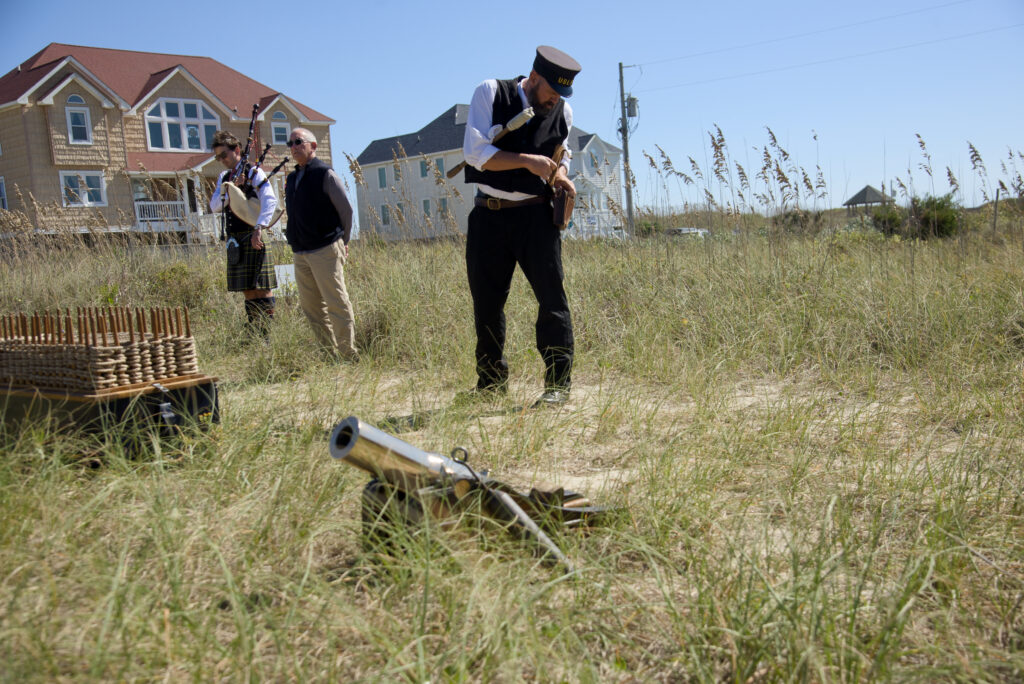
(539,108)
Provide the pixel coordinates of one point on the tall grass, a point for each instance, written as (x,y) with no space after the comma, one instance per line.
(814,442)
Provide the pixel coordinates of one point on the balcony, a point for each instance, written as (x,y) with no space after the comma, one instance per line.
(159,217)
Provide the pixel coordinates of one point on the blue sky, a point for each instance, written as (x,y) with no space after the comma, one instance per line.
(844,86)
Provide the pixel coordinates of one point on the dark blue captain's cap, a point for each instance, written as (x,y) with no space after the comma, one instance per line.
(557,68)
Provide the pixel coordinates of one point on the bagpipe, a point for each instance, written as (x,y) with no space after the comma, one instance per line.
(238,186)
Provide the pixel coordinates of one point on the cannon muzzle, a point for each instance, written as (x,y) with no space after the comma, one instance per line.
(388,458)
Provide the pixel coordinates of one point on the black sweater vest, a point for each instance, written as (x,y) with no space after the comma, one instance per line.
(541,135)
(313,222)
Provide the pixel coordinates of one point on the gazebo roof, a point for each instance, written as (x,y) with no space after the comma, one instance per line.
(868,195)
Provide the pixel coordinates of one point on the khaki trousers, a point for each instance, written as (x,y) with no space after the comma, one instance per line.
(320,278)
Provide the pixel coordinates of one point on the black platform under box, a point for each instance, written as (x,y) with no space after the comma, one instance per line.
(166,404)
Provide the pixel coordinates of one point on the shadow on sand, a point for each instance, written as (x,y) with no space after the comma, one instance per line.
(419,420)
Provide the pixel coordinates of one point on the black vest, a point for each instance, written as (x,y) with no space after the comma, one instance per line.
(313,222)
(541,135)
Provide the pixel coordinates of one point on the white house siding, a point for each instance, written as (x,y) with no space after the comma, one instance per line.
(406,219)
(598,190)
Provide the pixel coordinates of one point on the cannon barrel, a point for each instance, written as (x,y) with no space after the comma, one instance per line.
(398,463)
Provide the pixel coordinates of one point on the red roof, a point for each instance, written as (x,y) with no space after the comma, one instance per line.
(132,75)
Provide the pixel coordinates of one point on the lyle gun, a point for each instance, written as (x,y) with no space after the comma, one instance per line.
(441,486)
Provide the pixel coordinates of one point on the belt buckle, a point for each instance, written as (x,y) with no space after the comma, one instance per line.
(493,203)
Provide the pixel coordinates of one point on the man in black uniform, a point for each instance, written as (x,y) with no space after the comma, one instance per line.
(512,221)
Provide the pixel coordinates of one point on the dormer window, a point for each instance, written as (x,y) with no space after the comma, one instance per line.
(180,126)
(280,128)
(79,124)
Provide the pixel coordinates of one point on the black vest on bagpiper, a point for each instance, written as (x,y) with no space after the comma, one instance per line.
(541,135)
(313,222)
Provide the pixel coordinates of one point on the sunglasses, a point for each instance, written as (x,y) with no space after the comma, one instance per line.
(292,143)
(222,156)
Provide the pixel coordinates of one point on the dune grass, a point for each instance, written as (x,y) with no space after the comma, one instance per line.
(815,444)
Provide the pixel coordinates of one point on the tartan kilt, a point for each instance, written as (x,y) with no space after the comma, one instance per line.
(254,270)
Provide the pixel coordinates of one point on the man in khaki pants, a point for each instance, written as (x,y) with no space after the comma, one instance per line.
(319,228)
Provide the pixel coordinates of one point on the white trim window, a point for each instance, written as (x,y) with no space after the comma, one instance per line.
(385,215)
(3,194)
(280,129)
(83,188)
(439,163)
(180,126)
(426,207)
(79,123)
(382,177)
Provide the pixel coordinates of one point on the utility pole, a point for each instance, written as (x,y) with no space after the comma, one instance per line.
(625,155)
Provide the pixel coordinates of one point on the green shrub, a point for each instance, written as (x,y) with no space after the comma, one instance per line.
(179,284)
(933,217)
(800,221)
(887,218)
(647,228)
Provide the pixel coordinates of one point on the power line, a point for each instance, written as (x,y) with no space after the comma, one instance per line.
(816,32)
(833,59)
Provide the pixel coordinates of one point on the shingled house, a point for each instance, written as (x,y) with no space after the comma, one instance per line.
(402,192)
(120,140)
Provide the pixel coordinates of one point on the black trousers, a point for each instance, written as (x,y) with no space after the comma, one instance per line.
(495,242)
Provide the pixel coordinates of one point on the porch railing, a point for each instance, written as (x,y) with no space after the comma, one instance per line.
(159,217)
(149,212)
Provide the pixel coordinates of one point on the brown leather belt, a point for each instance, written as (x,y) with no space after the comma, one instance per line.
(494,203)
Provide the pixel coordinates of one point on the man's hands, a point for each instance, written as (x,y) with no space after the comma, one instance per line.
(537,164)
(562,181)
(257,237)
